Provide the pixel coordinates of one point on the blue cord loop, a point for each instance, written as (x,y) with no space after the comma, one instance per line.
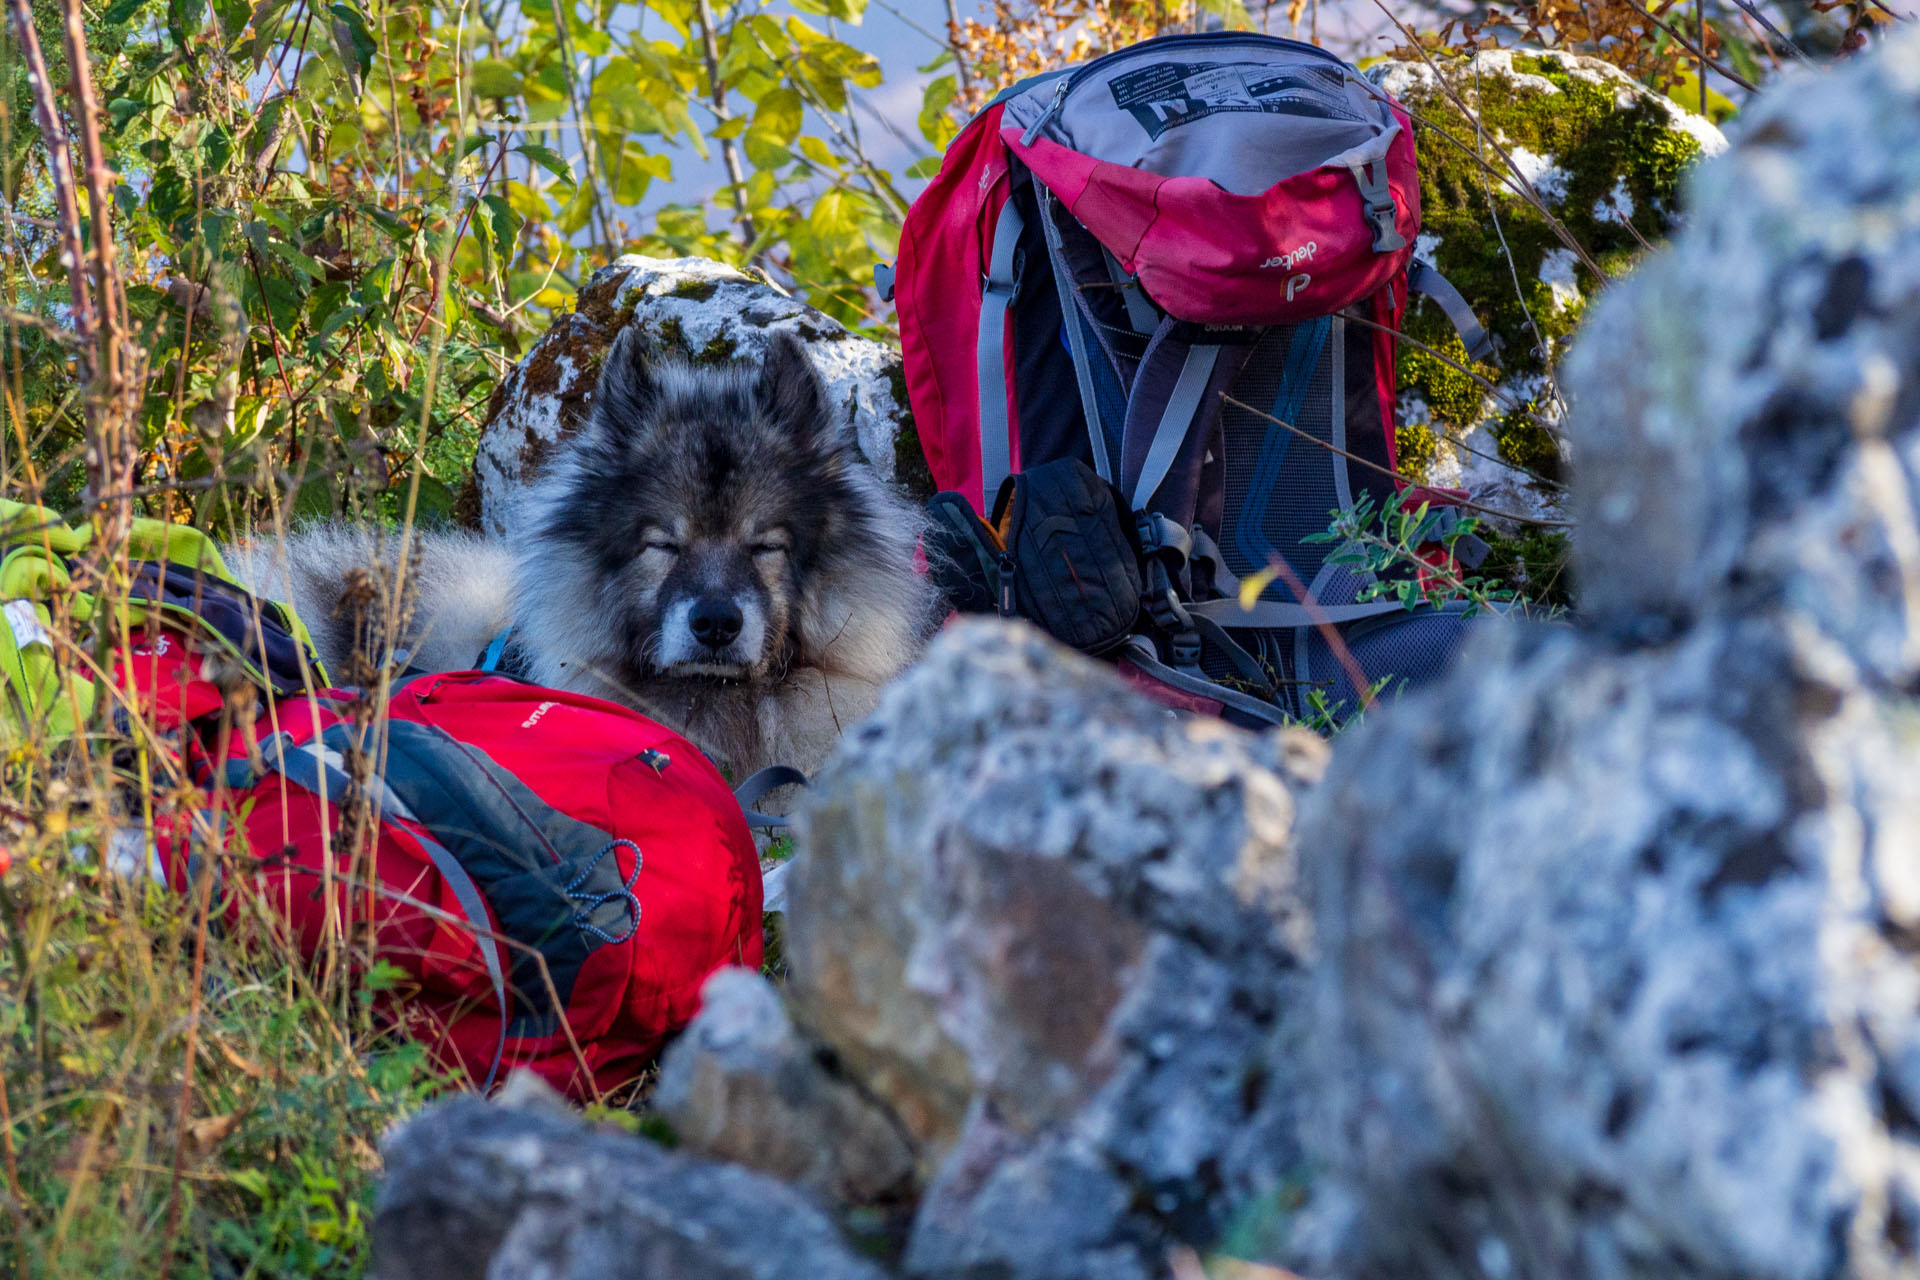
(591,902)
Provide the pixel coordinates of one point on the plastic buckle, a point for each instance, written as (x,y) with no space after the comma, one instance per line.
(1184,650)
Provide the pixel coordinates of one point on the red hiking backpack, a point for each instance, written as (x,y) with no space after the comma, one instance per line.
(1106,251)
(516,825)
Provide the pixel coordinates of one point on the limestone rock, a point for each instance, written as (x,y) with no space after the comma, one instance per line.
(477,1190)
(706,311)
(1619,980)
(1034,909)
(1606,156)
(741,1084)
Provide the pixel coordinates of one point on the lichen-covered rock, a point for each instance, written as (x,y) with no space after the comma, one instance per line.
(1087,908)
(705,311)
(480,1191)
(1618,979)
(742,1084)
(1606,155)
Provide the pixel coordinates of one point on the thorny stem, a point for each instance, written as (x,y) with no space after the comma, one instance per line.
(60,173)
(717,90)
(953,43)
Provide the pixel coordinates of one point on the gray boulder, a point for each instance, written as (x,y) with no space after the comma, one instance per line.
(1617,976)
(742,1084)
(1060,929)
(480,1191)
(705,311)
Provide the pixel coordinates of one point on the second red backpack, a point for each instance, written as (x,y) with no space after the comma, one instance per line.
(555,876)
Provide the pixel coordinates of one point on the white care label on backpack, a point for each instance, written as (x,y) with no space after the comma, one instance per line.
(26,624)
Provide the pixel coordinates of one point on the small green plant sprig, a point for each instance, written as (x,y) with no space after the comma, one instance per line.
(1387,543)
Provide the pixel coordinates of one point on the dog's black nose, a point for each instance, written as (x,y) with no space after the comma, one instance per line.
(715,622)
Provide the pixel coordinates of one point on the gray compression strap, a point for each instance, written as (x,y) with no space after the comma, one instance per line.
(1372,179)
(996,450)
(1076,337)
(1137,654)
(1140,312)
(306,768)
(1272,613)
(1423,277)
(1175,421)
(771,778)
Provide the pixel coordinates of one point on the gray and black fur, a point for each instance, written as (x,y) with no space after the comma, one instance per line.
(710,550)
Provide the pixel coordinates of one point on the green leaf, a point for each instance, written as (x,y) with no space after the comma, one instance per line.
(296,259)
(776,123)
(495,78)
(940,60)
(634,171)
(550,160)
(123,11)
(924,167)
(1232,13)
(936,125)
(844,10)
(354,39)
(817,150)
(505,224)
(123,110)
(728,128)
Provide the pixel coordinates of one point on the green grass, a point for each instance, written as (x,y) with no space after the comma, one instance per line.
(258,1161)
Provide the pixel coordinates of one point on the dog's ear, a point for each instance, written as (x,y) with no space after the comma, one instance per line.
(791,392)
(629,388)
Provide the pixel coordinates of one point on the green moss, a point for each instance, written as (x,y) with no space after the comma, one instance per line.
(719,350)
(698,290)
(1534,563)
(1454,397)
(1526,443)
(1600,145)
(1417,448)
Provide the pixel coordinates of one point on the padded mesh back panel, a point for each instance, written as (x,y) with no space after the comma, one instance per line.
(1279,487)
(1412,647)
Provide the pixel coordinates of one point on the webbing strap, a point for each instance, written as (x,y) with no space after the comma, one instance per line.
(996,446)
(1372,180)
(306,768)
(1252,707)
(1424,277)
(496,649)
(1175,421)
(1070,326)
(1272,613)
(757,786)
(1140,312)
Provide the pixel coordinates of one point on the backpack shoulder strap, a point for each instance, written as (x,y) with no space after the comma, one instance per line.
(1003,277)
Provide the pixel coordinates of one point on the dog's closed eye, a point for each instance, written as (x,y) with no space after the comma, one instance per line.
(659,540)
(774,542)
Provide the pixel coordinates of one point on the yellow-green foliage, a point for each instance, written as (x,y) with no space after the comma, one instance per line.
(1599,144)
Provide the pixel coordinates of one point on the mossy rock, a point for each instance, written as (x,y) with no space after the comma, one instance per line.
(1607,156)
(705,312)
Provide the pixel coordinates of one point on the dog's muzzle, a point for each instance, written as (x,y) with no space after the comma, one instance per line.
(713,635)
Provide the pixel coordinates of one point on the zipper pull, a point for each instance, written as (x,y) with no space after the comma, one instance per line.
(1053,109)
(1006,584)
